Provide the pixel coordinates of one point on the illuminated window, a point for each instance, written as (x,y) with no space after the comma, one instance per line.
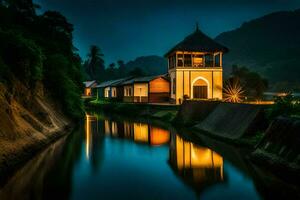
(107,91)
(198,61)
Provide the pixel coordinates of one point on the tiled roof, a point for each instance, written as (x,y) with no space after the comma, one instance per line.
(198,42)
(89,83)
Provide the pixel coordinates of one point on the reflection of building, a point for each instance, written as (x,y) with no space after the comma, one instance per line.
(139,132)
(107,127)
(128,130)
(94,140)
(114,129)
(88,133)
(198,166)
(159,136)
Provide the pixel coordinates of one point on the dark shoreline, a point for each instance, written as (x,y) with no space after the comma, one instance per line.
(26,153)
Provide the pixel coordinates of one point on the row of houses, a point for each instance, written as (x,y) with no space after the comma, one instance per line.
(195,71)
(149,89)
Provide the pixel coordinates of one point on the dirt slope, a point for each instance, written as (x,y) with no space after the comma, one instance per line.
(28,121)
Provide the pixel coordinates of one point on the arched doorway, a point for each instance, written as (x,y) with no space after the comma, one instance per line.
(200,89)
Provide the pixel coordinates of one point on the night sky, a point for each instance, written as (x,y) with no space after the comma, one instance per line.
(126,29)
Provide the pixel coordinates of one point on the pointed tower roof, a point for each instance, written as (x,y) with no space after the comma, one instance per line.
(198,42)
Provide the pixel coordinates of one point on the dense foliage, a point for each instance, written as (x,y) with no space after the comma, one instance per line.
(95,69)
(39,48)
(287,105)
(252,84)
(269,45)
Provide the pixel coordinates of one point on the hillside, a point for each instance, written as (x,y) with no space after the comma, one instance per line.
(269,45)
(29,121)
(40,81)
(151,65)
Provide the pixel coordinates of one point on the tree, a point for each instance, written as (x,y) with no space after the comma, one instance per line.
(62,85)
(112,66)
(57,23)
(136,72)
(40,49)
(121,69)
(55,27)
(286,105)
(121,64)
(95,66)
(253,84)
(23,56)
(24,9)
(111,72)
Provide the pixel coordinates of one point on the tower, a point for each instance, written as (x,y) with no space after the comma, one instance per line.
(195,68)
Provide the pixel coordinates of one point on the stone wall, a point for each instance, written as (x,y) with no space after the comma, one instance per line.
(227,120)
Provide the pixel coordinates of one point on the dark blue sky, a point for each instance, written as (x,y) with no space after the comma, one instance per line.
(126,29)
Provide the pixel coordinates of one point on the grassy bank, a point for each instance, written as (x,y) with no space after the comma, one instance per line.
(165,113)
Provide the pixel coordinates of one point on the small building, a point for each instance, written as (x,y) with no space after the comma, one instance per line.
(89,88)
(195,68)
(109,89)
(117,89)
(151,89)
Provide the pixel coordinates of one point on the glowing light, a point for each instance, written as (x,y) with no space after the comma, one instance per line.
(233,92)
(141,132)
(88,133)
(159,136)
(200,159)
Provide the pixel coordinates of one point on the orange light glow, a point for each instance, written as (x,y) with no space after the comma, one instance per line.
(114,129)
(141,132)
(191,156)
(233,92)
(106,127)
(159,136)
(88,132)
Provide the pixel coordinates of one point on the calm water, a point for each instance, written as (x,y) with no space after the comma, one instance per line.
(121,159)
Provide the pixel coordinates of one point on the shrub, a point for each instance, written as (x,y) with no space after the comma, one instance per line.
(62,86)
(23,56)
(287,105)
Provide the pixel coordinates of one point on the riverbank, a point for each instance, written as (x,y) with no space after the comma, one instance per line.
(164,112)
(29,122)
(240,125)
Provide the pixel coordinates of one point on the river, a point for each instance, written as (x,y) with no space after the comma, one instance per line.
(117,158)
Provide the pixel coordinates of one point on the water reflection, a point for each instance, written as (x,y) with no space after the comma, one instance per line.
(136,131)
(47,175)
(115,159)
(197,166)
(93,140)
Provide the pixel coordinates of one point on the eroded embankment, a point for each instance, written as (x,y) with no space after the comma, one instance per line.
(29,121)
(280,147)
(226,120)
